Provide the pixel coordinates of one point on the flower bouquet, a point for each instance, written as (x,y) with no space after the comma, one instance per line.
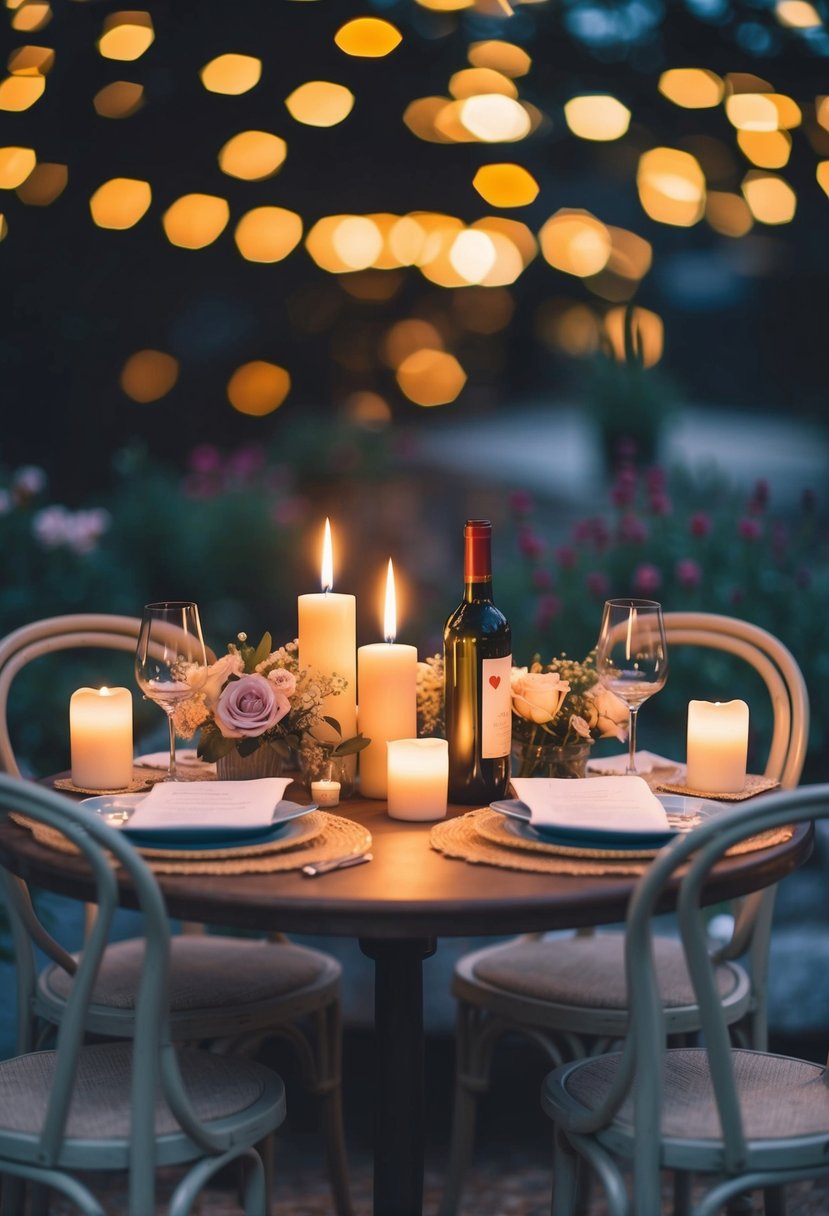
(558,711)
(255,697)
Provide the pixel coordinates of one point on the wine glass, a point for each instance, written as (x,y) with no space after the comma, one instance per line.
(170,660)
(632,657)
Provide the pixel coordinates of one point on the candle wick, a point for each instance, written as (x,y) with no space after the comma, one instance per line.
(390,638)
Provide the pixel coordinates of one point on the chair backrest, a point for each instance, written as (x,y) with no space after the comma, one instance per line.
(778,669)
(641,1066)
(58,633)
(103,848)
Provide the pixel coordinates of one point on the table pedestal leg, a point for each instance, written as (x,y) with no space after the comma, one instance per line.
(399,1134)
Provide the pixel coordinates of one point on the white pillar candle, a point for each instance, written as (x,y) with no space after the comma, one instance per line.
(386,697)
(100,734)
(328,644)
(717,746)
(418,778)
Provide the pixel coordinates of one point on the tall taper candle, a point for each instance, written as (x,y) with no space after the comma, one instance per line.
(328,643)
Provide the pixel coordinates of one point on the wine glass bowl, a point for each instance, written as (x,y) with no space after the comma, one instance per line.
(632,657)
(170,660)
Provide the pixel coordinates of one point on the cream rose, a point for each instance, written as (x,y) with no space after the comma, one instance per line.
(537,695)
(611,713)
(218,674)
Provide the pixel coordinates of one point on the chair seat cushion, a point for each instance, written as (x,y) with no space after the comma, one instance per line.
(205,972)
(780,1097)
(218,1086)
(588,971)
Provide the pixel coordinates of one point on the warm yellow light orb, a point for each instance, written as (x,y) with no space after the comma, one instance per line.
(231,74)
(368,37)
(120,203)
(597,116)
(506,185)
(253,156)
(195,220)
(320,103)
(258,388)
(268,234)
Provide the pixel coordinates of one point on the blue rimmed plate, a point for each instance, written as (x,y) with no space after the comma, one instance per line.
(683,814)
(117,809)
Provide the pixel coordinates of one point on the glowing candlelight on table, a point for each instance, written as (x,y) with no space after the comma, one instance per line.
(418,772)
(328,643)
(717,746)
(386,696)
(100,735)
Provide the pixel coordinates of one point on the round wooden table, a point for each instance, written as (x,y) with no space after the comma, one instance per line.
(397,906)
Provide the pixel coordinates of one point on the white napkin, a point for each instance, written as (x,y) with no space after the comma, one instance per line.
(646,762)
(187,757)
(210,804)
(615,804)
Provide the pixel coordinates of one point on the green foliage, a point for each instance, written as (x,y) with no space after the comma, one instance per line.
(694,545)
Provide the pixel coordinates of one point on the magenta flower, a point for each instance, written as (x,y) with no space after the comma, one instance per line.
(205,458)
(700,525)
(660,504)
(632,530)
(549,607)
(749,529)
(520,502)
(598,584)
(530,543)
(688,573)
(623,490)
(542,579)
(647,579)
(566,556)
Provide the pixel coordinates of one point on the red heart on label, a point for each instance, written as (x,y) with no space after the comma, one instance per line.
(495,681)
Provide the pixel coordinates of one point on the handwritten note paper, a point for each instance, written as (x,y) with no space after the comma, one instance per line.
(219,804)
(614,803)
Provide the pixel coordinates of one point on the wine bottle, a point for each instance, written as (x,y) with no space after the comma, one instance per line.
(477,654)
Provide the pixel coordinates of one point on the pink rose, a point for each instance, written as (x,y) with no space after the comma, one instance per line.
(249,706)
(283,680)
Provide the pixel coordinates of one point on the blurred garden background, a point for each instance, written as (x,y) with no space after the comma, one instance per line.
(288,259)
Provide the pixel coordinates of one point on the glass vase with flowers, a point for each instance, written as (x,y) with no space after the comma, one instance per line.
(559,709)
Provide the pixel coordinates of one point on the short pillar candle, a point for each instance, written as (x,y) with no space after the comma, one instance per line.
(418,778)
(717,746)
(100,734)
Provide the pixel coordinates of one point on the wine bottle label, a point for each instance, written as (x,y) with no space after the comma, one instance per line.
(496,708)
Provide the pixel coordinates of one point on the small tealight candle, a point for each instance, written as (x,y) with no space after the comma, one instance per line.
(325,793)
(418,778)
(717,746)
(100,734)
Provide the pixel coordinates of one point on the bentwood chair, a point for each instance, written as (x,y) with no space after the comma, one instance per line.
(568,995)
(227,990)
(744,1119)
(127,1105)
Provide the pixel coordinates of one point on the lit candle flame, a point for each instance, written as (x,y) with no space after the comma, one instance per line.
(327,571)
(390,614)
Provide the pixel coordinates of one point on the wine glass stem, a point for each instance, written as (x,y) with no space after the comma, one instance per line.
(172,775)
(633,712)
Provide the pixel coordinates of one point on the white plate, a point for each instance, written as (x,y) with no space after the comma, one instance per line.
(117,808)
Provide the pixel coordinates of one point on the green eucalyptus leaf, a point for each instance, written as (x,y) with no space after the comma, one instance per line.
(248,746)
(333,723)
(261,653)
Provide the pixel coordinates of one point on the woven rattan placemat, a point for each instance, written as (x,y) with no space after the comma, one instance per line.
(317,836)
(480,837)
(754,785)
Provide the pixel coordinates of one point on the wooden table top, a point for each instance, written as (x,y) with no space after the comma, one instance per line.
(408,891)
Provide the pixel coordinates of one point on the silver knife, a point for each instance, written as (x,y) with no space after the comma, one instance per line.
(312,869)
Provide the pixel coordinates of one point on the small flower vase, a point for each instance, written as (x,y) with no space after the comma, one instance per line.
(549,760)
(264,762)
(315,765)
